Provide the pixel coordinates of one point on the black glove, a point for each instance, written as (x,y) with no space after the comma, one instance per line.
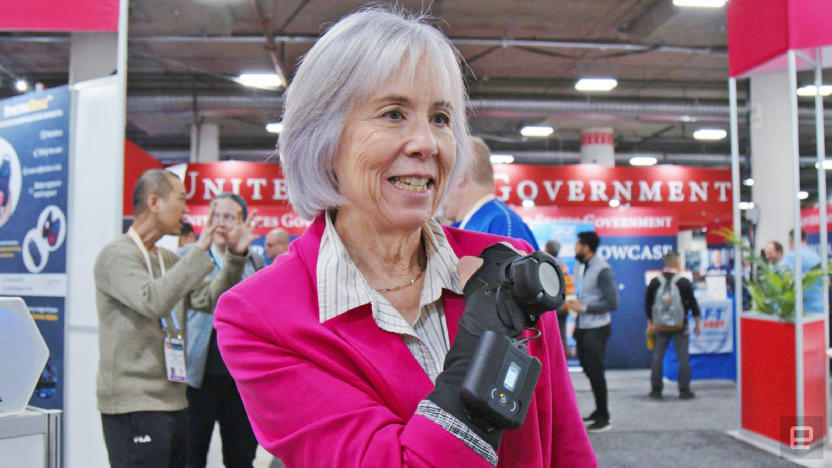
(488,301)
(446,393)
(488,306)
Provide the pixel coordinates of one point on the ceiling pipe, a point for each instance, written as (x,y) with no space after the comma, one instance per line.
(487,42)
(643,108)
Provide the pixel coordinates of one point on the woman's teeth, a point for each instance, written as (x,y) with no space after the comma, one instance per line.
(412,184)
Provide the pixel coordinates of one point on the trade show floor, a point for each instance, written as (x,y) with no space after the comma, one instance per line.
(670,432)
(664,433)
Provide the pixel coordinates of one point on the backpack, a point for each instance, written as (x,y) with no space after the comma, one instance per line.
(668,312)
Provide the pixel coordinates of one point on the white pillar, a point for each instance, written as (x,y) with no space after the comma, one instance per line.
(684,241)
(205,142)
(597,146)
(92,55)
(96,172)
(771,163)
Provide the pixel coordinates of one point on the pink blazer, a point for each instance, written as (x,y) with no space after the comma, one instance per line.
(344,393)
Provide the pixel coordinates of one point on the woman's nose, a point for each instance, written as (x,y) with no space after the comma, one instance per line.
(421,140)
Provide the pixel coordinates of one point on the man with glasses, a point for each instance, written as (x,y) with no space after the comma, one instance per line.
(212,394)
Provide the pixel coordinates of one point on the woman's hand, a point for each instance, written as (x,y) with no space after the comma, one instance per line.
(489,304)
(468,265)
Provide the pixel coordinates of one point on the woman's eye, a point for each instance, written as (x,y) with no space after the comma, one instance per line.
(393,114)
(441,119)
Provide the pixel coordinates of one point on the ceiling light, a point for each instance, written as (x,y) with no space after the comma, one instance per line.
(274,127)
(827,164)
(749,182)
(746,205)
(502,159)
(643,161)
(615,203)
(710,134)
(535,131)
(21,85)
(596,84)
(802,194)
(528,203)
(700,3)
(812,90)
(261,80)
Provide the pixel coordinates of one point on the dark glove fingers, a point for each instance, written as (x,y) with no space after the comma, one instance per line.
(511,315)
(494,258)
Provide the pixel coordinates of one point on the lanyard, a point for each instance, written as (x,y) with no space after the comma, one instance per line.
(214,257)
(134,236)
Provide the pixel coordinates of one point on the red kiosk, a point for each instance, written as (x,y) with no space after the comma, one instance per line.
(783,370)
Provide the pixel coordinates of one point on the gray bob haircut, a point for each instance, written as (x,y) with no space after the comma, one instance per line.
(353,58)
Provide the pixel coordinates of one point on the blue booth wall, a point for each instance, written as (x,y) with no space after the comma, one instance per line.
(717,334)
(34,172)
(630,258)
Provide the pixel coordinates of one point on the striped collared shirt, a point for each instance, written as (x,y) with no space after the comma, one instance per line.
(342,287)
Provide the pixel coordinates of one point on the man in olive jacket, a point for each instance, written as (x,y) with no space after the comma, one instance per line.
(141,294)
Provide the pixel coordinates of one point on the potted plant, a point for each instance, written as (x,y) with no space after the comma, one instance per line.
(769,355)
(773,289)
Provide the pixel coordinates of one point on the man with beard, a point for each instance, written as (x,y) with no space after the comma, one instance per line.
(597,296)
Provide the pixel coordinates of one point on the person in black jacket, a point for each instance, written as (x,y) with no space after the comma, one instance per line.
(679,335)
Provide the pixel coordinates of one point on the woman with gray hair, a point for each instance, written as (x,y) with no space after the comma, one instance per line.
(360,359)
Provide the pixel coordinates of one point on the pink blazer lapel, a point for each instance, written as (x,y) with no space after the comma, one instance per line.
(399,379)
(454,306)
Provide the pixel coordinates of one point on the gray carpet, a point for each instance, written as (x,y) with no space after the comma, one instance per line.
(670,432)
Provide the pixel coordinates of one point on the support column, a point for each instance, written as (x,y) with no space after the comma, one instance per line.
(771,160)
(92,55)
(205,142)
(98,80)
(684,241)
(597,146)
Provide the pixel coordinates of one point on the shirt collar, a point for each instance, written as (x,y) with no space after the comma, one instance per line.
(216,256)
(342,287)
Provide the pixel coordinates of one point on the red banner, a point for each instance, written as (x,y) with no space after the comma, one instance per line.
(136,161)
(696,195)
(272,216)
(810,219)
(609,222)
(59,15)
(261,185)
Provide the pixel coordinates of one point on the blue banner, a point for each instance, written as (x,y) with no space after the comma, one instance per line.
(630,258)
(712,355)
(716,327)
(34,156)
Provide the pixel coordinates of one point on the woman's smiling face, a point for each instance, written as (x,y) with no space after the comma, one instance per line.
(397,151)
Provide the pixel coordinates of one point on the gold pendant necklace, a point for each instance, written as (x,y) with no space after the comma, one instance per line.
(409,283)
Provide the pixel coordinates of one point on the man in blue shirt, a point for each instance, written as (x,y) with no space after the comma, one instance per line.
(813,295)
(471,203)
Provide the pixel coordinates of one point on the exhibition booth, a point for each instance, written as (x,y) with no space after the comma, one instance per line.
(791,415)
(56,211)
